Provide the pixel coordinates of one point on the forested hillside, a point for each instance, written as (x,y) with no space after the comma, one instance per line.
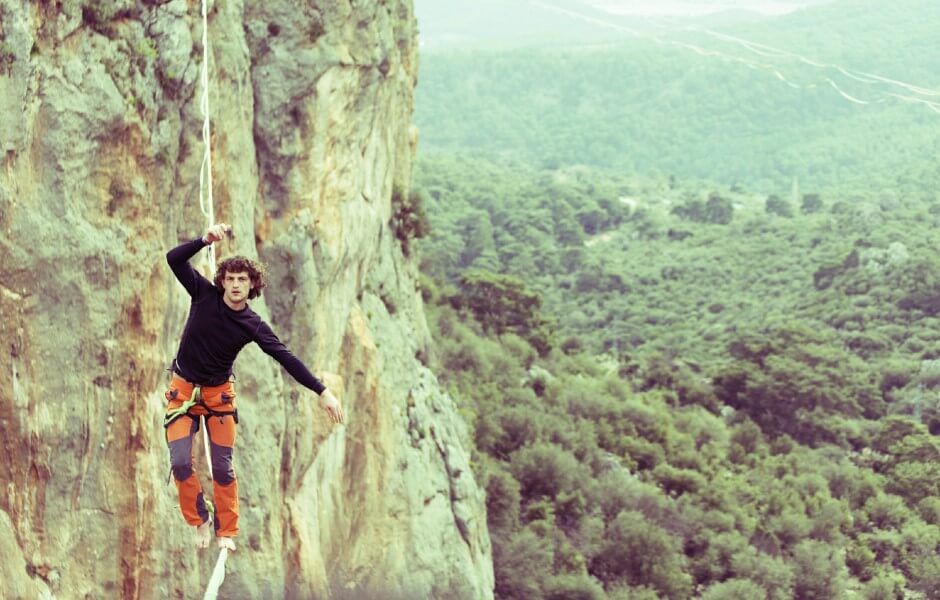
(630,264)
(681,391)
(686,290)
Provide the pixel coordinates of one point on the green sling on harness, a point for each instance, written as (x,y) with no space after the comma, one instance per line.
(196,400)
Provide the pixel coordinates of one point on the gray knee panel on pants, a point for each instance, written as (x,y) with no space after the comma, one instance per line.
(181,458)
(222,471)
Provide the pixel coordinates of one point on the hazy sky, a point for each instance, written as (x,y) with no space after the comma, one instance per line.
(452,22)
(663,8)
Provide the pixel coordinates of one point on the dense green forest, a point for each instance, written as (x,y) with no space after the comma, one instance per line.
(679,393)
(635,266)
(658,105)
(690,312)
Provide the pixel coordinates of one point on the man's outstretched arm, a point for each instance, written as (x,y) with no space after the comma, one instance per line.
(275,348)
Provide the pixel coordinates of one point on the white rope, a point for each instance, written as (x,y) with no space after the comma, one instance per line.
(218,573)
(218,576)
(205,439)
(208,210)
(205,171)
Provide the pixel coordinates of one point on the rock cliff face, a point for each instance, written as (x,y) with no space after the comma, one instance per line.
(100,143)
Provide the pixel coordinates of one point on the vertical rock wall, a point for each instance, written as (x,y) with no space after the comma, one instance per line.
(100,147)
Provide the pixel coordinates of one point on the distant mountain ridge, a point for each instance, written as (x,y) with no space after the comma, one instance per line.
(698,105)
(514,23)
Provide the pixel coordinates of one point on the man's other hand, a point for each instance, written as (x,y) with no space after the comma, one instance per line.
(332,406)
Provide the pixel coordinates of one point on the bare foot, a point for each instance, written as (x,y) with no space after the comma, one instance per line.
(204,535)
(227,542)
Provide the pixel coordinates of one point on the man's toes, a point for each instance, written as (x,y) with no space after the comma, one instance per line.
(203,535)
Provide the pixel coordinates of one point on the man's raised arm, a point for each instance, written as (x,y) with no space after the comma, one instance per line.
(178,259)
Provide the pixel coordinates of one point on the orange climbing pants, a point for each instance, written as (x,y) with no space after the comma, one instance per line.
(218,404)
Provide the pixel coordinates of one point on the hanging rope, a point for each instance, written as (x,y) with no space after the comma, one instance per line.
(208,211)
(205,171)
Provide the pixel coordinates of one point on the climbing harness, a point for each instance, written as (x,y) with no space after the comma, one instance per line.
(169,417)
(193,402)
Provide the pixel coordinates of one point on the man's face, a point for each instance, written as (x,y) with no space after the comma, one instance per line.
(237,286)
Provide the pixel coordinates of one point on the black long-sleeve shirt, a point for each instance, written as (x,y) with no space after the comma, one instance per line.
(214,333)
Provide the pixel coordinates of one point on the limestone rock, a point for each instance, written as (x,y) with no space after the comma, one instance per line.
(311,109)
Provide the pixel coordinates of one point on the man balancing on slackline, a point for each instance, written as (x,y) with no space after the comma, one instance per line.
(220,324)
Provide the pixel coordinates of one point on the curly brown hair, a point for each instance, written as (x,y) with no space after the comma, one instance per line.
(240,264)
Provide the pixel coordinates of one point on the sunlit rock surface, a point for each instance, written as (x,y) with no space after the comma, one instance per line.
(101,146)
